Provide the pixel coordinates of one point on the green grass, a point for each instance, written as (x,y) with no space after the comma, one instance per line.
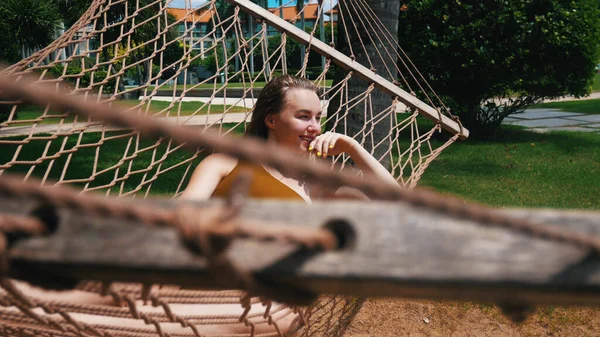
(110,153)
(596,84)
(522,169)
(28,112)
(82,162)
(518,169)
(589,106)
(187,108)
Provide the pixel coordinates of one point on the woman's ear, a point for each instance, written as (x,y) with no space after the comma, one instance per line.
(270,121)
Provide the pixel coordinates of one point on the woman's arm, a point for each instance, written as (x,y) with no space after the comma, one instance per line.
(331,144)
(207,176)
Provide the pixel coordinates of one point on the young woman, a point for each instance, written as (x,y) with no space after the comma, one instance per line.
(287,113)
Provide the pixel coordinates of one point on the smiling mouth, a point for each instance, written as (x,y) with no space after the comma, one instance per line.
(307,138)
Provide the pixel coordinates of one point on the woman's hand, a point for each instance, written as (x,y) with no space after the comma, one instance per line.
(332,144)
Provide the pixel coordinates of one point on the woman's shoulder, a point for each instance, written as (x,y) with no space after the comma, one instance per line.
(207,176)
(220,159)
(219,162)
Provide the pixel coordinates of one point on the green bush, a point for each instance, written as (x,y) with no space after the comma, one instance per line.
(474,51)
(84,78)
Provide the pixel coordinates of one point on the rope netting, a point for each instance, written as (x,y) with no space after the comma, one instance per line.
(203,67)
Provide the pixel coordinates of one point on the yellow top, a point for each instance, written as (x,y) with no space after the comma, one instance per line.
(264,185)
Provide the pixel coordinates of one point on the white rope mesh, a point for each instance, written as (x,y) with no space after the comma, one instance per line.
(103,49)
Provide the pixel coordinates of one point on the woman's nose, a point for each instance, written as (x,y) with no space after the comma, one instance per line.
(314,126)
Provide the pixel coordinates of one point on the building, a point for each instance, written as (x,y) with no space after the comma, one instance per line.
(333,15)
(292,15)
(194,25)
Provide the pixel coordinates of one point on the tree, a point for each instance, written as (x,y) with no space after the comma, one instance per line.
(224,13)
(386,11)
(9,49)
(30,24)
(224,10)
(72,10)
(291,49)
(494,58)
(142,37)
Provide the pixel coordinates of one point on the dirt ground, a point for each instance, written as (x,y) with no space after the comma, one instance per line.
(392,317)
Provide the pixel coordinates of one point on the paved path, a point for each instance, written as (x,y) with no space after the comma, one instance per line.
(543,120)
(247,103)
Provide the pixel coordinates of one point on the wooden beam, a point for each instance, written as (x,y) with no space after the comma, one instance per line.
(346,63)
(397,250)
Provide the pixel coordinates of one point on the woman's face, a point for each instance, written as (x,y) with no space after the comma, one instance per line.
(298,123)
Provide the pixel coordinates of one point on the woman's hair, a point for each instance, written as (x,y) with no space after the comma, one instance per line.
(271,100)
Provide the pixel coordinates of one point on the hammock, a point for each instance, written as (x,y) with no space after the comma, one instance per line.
(204,67)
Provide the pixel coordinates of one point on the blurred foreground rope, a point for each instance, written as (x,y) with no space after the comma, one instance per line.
(207,231)
(254,151)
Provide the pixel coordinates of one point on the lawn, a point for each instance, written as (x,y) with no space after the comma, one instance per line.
(596,85)
(589,106)
(519,169)
(522,169)
(155,108)
(144,158)
(162,108)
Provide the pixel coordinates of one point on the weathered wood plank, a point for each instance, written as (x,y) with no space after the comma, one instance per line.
(398,251)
